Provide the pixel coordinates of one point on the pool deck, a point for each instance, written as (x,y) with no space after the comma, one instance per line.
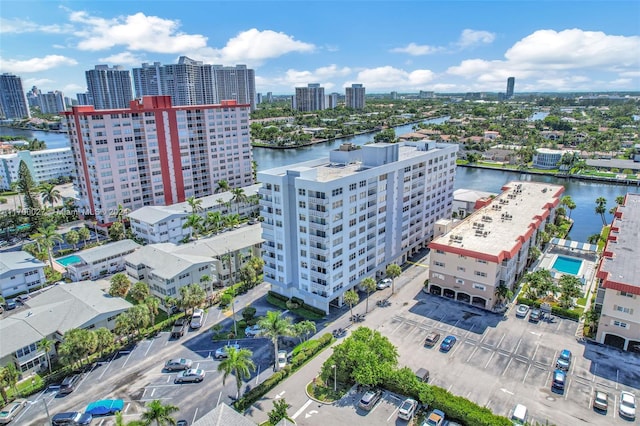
(586,271)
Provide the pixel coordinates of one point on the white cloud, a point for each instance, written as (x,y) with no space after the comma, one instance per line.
(39,82)
(35,64)
(123,58)
(390,78)
(20,26)
(135,32)
(297,78)
(414,49)
(473,37)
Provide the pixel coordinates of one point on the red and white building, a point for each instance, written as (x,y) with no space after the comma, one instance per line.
(154,153)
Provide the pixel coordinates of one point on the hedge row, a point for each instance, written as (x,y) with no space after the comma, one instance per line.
(556,310)
(465,411)
(298,361)
(300,302)
(306,312)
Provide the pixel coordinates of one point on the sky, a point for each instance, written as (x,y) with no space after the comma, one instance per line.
(404,46)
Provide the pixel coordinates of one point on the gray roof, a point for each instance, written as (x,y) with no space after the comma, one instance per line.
(615,164)
(220,244)
(163,260)
(12,261)
(59,308)
(155,214)
(471,195)
(223,415)
(110,249)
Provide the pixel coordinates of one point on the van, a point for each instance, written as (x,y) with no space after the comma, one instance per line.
(423,375)
(69,384)
(519,416)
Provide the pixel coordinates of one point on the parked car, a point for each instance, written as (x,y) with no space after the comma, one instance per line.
(104,407)
(10,304)
(522,310)
(11,410)
(197,318)
(223,352)
(423,375)
(564,360)
(190,375)
(535,315)
(282,359)
(432,339)
(519,415)
(383,283)
(369,399)
(253,330)
(407,409)
(178,364)
(179,327)
(435,418)
(601,400)
(182,422)
(69,384)
(71,418)
(23,298)
(447,343)
(559,380)
(627,405)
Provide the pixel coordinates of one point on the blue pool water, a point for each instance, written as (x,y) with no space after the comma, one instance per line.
(68,260)
(568,265)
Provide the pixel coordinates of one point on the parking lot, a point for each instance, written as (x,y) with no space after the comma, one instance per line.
(136,375)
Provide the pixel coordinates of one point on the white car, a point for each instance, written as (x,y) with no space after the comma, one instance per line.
(407,409)
(253,330)
(383,283)
(197,318)
(11,410)
(282,359)
(223,352)
(191,375)
(627,405)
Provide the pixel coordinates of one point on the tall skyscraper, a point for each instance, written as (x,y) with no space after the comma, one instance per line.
(154,153)
(331,100)
(191,82)
(511,82)
(84,98)
(51,103)
(109,87)
(355,96)
(13,100)
(329,223)
(310,98)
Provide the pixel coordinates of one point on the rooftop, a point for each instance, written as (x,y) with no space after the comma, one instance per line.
(11,261)
(163,259)
(223,415)
(108,250)
(497,230)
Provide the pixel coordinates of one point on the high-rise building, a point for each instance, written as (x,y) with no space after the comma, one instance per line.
(331,222)
(52,102)
(354,97)
(310,98)
(84,98)
(154,153)
(618,297)
(13,100)
(191,82)
(32,97)
(511,82)
(331,101)
(109,88)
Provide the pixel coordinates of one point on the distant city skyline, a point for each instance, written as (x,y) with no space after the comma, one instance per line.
(405,47)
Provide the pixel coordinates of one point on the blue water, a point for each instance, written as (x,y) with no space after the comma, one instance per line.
(68,260)
(568,265)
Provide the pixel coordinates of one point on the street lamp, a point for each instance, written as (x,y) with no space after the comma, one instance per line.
(335,377)
(46,409)
(233,309)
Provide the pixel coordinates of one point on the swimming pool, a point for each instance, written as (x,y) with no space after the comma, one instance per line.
(68,260)
(567,265)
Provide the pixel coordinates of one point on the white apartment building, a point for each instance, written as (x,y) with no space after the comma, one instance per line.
(619,280)
(330,223)
(154,153)
(165,224)
(20,272)
(490,247)
(545,158)
(43,165)
(99,261)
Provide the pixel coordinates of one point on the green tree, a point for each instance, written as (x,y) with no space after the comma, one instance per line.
(9,376)
(28,188)
(125,325)
(274,325)
(50,194)
(393,271)
(45,238)
(72,237)
(503,293)
(386,135)
(120,285)
(223,186)
(195,204)
(279,412)
(153,303)
(304,329)
(117,231)
(120,421)
(238,363)
(192,296)
(84,234)
(104,339)
(569,286)
(368,284)
(601,209)
(351,297)
(139,291)
(140,316)
(159,413)
(213,222)
(568,202)
(45,345)
(238,198)
(78,344)
(194,223)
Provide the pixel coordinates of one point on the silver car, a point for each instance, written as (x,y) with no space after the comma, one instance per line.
(178,364)
(11,410)
(197,318)
(223,352)
(190,375)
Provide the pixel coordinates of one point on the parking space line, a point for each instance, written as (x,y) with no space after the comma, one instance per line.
(507,367)
(301,409)
(127,407)
(501,339)
(615,404)
(533,357)
(219,397)
(526,374)
(127,360)
(472,354)
(194,416)
(109,364)
(396,329)
(454,326)
(490,358)
(515,351)
(566,391)
(149,348)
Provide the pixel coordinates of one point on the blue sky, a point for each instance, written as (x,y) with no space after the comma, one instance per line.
(406,46)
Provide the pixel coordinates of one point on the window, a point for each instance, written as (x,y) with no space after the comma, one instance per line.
(620,324)
(440,251)
(441,264)
(623,309)
(479,286)
(459,281)
(624,293)
(481,261)
(480,274)
(461,268)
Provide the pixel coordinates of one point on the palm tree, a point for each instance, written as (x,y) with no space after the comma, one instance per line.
(121,213)
(46,345)
(223,186)
(239,197)
(195,204)
(393,272)
(50,194)
(46,238)
(351,297)
(72,237)
(238,363)
(213,221)
(304,328)
(84,234)
(601,209)
(153,303)
(369,285)
(120,421)
(274,325)
(568,202)
(503,293)
(193,221)
(159,413)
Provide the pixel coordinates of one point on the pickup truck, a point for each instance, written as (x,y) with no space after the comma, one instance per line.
(178,328)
